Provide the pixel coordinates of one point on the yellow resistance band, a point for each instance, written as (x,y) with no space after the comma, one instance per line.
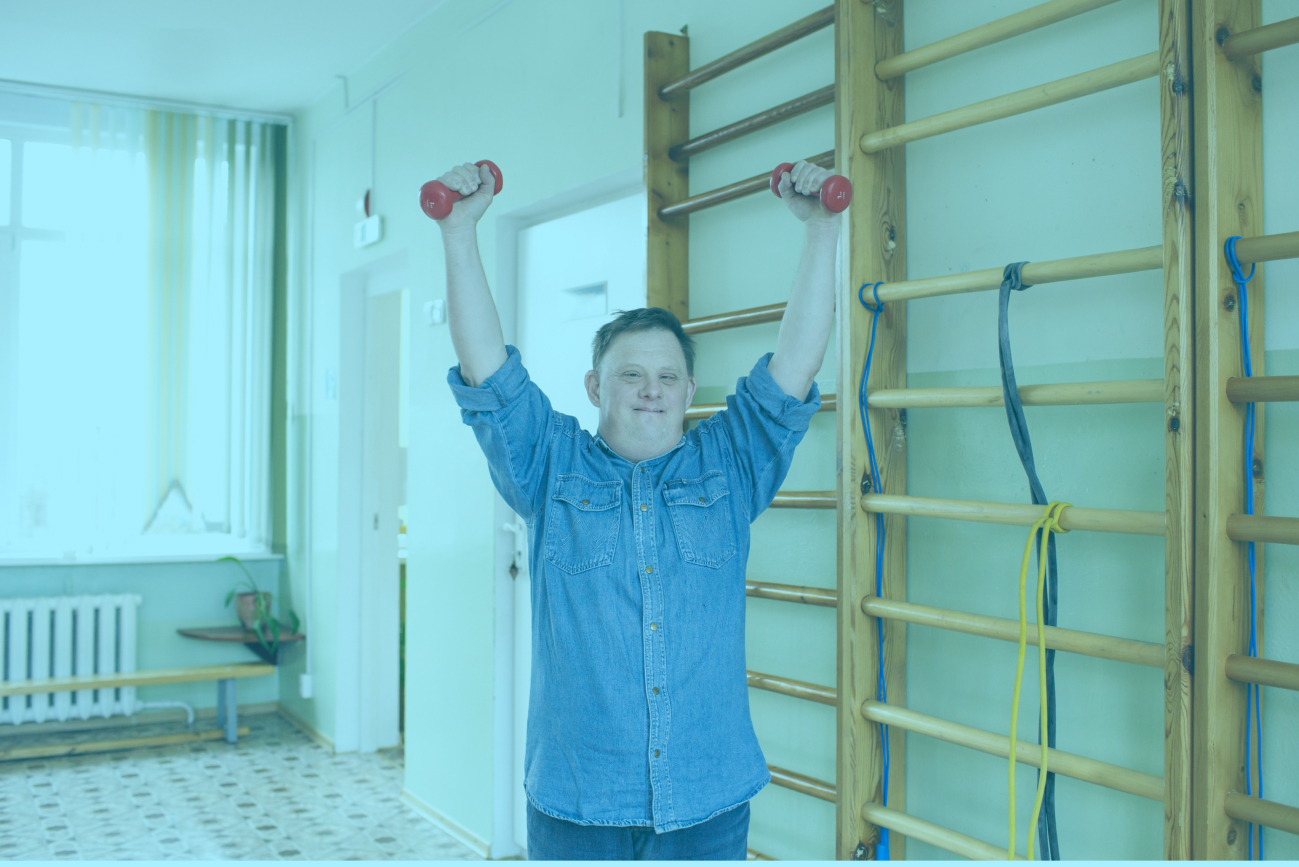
(1047,524)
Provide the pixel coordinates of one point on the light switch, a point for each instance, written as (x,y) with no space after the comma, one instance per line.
(435,312)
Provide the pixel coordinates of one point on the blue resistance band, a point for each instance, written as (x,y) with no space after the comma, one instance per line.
(1012,281)
(1253,710)
(877,486)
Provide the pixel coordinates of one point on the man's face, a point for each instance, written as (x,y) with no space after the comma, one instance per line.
(642,390)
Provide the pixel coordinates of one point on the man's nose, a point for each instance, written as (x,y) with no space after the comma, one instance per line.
(651,387)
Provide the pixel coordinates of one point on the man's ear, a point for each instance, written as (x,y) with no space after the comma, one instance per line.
(593,387)
(690,390)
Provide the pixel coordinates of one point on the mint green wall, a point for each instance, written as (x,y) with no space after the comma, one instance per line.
(1281,562)
(532,86)
(176,596)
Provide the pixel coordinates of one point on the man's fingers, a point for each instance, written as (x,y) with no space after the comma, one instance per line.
(786,185)
(808,178)
(467,177)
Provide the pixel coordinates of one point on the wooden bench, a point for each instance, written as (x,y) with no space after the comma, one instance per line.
(224,675)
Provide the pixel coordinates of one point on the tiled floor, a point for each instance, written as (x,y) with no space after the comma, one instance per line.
(275,795)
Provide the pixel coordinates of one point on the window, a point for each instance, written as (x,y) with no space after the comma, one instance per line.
(135,302)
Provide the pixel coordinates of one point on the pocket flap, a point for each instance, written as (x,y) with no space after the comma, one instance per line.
(589,496)
(703,491)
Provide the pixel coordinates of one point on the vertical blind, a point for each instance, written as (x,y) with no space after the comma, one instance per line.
(136,372)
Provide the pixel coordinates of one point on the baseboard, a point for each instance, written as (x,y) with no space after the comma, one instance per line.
(147,717)
(455,829)
(305,727)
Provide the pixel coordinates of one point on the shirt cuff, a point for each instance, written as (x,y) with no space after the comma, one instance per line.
(788,412)
(497,391)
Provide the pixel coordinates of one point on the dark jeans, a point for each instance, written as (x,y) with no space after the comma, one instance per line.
(721,838)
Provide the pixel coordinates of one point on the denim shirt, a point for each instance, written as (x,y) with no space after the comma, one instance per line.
(639,707)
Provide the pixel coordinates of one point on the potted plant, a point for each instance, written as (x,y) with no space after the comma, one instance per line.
(254,610)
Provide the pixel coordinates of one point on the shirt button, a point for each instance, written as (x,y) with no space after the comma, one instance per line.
(644,508)
(656,690)
(656,754)
(649,568)
(653,626)
(588,502)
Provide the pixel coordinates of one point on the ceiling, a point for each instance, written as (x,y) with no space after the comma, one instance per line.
(259,55)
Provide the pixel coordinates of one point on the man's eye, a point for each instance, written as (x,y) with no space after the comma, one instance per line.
(631,374)
(669,378)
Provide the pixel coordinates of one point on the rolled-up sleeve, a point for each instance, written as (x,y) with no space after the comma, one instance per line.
(763,425)
(514,424)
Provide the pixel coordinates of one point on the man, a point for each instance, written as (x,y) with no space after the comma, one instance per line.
(639,742)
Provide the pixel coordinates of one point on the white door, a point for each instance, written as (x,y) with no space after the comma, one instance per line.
(381,494)
(574,272)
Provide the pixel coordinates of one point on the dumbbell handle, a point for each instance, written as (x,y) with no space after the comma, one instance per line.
(836,192)
(436,198)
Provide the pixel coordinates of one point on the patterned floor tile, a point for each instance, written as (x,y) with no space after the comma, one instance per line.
(276,796)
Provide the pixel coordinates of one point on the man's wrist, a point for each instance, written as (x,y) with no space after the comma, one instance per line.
(462,238)
(822,230)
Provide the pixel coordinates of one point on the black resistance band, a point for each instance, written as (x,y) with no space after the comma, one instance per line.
(1048,845)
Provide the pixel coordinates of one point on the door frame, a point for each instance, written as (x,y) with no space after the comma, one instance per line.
(600,191)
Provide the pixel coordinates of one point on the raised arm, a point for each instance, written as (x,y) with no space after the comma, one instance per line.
(809,316)
(471,312)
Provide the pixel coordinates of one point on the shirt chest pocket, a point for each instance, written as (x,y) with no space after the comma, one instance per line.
(701,516)
(582,523)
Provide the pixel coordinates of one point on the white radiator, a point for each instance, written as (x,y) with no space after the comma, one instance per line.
(62,636)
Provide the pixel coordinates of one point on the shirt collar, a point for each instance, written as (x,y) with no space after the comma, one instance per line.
(599,440)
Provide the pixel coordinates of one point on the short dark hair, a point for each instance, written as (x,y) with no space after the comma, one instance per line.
(643,319)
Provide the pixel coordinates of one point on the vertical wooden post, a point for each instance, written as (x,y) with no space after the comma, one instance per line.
(667,122)
(874,246)
(1228,201)
(1179,433)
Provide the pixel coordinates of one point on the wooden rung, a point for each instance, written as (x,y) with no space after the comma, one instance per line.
(1023,515)
(796,688)
(755,855)
(54,750)
(1261,39)
(1261,812)
(802,783)
(731,192)
(1248,389)
(761,120)
(1069,640)
(1058,394)
(135,678)
(1078,767)
(782,37)
(1034,273)
(702,411)
(1268,672)
(736,319)
(934,835)
(993,32)
(1268,248)
(1022,101)
(791,593)
(1263,528)
(805,500)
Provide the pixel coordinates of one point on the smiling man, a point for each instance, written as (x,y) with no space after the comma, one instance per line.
(639,742)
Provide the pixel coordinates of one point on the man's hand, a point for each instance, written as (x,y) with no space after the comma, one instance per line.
(475,183)
(806,179)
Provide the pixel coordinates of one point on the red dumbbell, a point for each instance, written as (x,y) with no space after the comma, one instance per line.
(436,198)
(836,192)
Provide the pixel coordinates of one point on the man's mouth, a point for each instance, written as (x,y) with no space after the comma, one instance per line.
(647,409)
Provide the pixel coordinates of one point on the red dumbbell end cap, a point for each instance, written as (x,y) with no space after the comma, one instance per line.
(836,194)
(436,199)
(775,177)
